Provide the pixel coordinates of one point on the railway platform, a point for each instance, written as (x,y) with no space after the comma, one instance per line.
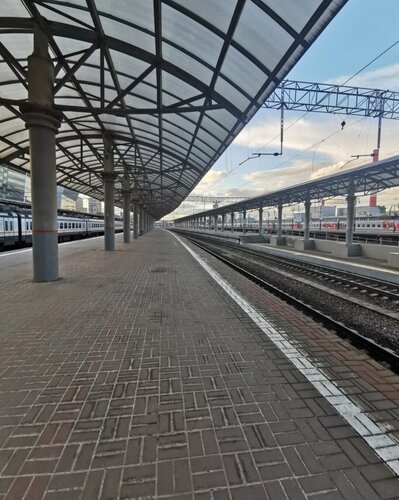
(157,372)
(362,265)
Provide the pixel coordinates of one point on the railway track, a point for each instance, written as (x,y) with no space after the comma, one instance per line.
(373,287)
(379,351)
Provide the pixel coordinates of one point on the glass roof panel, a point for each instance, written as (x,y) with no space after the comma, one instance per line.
(79,15)
(13,8)
(128,34)
(261,35)
(19,44)
(295,13)
(237,68)
(231,93)
(187,63)
(221,11)
(138,12)
(190,35)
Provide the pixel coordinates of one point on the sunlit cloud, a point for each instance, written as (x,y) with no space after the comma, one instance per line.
(386,78)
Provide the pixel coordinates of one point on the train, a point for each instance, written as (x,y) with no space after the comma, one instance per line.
(16,228)
(363,225)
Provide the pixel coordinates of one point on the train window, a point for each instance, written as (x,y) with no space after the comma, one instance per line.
(69,225)
(6,225)
(368,225)
(27,225)
(11,225)
(372,225)
(30,224)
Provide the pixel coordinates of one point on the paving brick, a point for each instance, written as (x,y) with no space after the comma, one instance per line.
(132,383)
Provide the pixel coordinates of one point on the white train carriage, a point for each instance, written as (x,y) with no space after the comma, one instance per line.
(71,228)
(9,229)
(95,227)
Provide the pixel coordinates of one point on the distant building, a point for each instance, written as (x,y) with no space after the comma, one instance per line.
(12,184)
(94,206)
(66,198)
(80,206)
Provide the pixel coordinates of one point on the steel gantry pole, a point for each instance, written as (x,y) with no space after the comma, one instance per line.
(260,220)
(43,122)
(232,221)
(126,206)
(109,194)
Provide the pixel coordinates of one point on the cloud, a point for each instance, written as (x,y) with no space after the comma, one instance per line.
(386,78)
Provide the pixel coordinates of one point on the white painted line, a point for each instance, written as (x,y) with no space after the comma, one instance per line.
(374,434)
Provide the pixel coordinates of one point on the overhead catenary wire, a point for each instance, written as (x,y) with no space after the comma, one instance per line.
(307,112)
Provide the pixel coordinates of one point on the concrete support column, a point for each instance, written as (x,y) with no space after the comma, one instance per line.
(307,220)
(223,220)
(260,220)
(232,221)
(43,122)
(279,221)
(244,216)
(126,208)
(141,229)
(210,222)
(145,220)
(216,222)
(109,195)
(350,216)
(135,216)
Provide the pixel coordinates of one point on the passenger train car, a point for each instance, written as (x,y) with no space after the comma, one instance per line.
(363,225)
(16,228)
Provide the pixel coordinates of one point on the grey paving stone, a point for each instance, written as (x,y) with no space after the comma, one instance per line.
(122,381)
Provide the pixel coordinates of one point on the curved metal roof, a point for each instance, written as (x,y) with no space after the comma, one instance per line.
(173,81)
(374,177)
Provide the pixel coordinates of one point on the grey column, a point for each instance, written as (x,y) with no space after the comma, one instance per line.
(109,195)
(260,220)
(126,208)
(216,222)
(307,220)
(140,219)
(350,215)
(244,216)
(135,216)
(43,122)
(232,221)
(223,219)
(279,221)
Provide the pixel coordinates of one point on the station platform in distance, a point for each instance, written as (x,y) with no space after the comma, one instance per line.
(157,372)
(364,265)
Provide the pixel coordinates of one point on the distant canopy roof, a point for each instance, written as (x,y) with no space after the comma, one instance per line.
(173,81)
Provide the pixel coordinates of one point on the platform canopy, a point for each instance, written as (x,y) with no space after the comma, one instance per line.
(173,82)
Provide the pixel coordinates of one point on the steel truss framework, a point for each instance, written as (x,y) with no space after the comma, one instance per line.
(377,176)
(172,81)
(326,98)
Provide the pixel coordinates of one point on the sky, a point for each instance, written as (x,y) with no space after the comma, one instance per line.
(316,146)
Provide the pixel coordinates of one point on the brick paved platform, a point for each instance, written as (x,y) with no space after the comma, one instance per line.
(137,376)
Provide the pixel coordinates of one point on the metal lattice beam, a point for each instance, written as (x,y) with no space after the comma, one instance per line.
(330,98)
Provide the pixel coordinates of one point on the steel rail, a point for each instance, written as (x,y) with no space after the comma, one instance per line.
(377,351)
